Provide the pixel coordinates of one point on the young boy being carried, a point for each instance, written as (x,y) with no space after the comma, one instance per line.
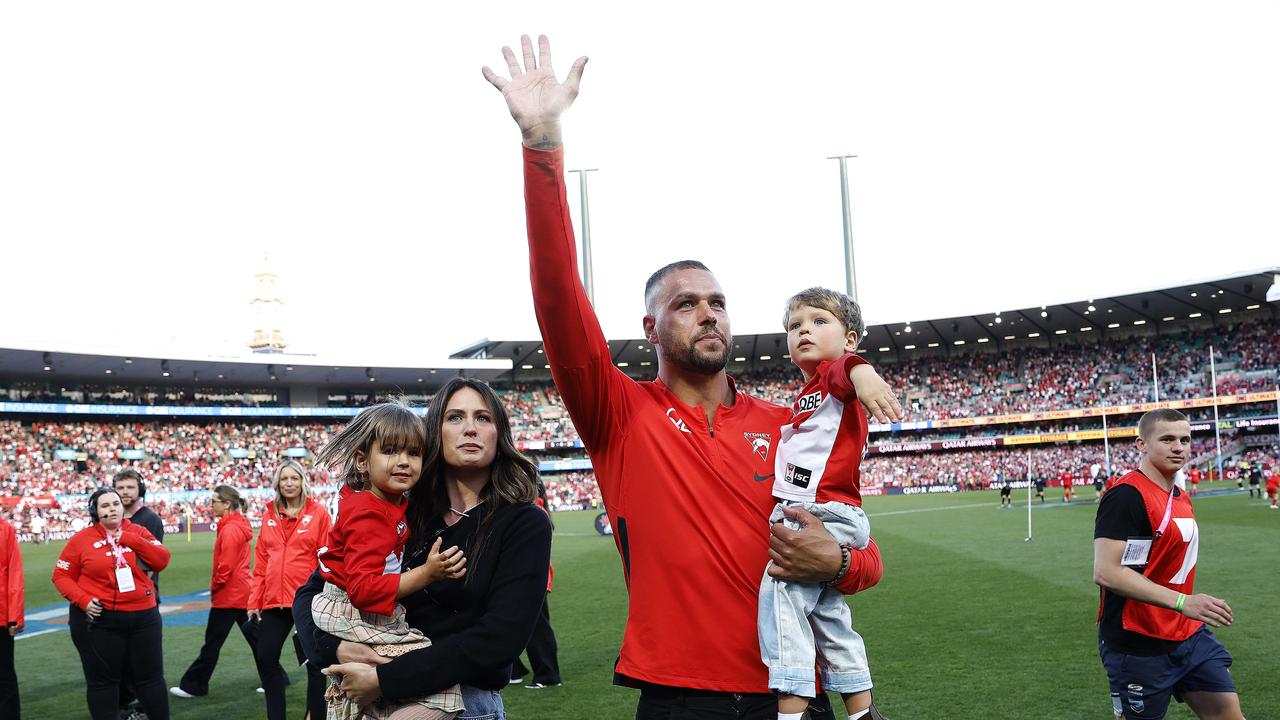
(817,467)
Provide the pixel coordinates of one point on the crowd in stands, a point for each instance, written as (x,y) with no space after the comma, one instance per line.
(576,490)
(188,456)
(975,384)
(978,469)
(964,383)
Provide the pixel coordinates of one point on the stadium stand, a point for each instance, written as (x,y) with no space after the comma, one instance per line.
(47,457)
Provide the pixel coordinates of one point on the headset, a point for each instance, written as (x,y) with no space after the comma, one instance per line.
(93,502)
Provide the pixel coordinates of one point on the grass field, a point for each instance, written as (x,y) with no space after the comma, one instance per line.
(970,620)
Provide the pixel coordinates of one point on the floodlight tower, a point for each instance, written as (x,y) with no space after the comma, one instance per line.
(588,281)
(850,275)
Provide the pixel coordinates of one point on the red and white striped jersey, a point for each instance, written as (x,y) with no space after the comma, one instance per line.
(821,450)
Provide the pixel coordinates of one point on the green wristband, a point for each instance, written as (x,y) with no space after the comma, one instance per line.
(1181,599)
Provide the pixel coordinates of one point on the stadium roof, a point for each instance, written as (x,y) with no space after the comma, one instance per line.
(257,370)
(1214,300)
(1210,301)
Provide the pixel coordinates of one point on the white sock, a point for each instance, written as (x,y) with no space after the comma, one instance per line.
(860,714)
(790,716)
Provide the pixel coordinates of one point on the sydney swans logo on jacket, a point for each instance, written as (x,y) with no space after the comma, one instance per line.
(760,443)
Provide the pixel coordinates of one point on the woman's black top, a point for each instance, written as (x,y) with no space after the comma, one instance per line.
(477,625)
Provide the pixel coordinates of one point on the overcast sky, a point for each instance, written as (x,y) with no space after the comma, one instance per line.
(1009,154)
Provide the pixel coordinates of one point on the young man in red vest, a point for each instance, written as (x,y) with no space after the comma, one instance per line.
(1152,632)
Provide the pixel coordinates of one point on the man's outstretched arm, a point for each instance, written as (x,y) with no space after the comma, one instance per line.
(581,363)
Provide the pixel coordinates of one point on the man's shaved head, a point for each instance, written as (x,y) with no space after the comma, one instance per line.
(662,272)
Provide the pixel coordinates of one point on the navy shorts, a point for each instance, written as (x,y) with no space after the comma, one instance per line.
(1141,685)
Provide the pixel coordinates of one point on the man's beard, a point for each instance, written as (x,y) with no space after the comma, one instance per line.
(689,357)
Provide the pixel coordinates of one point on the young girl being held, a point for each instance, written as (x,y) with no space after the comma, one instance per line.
(378,456)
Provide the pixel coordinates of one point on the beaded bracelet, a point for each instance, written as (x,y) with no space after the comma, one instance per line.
(846,559)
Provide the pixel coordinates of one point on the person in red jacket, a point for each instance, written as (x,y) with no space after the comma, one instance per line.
(666,451)
(1273,487)
(228,591)
(113,618)
(11,613)
(294,527)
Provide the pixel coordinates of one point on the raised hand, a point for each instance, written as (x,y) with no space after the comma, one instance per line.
(534,96)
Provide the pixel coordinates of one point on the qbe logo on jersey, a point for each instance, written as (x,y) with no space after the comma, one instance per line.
(809,402)
(798,476)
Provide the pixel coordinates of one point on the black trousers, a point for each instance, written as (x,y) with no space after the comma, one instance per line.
(273,631)
(116,640)
(541,650)
(9,705)
(667,703)
(221,620)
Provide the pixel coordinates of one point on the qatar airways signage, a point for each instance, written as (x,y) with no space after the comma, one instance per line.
(891,448)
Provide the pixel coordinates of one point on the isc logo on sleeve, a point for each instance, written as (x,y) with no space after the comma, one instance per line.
(798,476)
(809,402)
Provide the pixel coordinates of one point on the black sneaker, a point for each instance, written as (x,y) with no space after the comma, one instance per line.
(541,686)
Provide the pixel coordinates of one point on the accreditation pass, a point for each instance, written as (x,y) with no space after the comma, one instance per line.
(1136,551)
(124,579)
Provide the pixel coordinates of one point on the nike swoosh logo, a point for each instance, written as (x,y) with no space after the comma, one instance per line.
(762,478)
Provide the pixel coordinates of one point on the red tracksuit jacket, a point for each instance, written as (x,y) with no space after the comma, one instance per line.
(86,569)
(286,554)
(689,501)
(229,586)
(11,586)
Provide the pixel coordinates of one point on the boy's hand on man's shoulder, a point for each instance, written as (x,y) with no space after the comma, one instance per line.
(875,394)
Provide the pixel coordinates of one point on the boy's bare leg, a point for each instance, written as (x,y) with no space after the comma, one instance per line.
(855,703)
(792,704)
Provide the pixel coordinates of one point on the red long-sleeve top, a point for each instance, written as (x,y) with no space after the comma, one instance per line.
(286,554)
(689,500)
(11,584)
(364,550)
(229,585)
(86,568)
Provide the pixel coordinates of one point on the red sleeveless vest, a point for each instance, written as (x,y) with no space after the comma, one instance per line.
(1171,563)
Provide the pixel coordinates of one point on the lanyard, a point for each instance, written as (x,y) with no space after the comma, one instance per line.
(1168,512)
(115,548)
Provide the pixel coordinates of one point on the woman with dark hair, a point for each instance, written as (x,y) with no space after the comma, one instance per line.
(113,618)
(476,493)
(228,590)
(294,528)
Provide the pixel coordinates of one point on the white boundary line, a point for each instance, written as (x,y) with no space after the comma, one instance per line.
(23,636)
